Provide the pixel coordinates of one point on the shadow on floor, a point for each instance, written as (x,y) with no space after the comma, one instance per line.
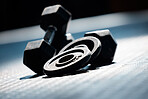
(80,71)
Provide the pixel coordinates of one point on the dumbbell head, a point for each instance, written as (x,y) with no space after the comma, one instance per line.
(57,16)
(36,54)
(108,46)
(67,61)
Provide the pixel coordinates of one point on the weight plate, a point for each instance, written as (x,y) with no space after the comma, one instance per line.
(92,43)
(67,61)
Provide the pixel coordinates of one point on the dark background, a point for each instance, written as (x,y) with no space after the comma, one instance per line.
(22,13)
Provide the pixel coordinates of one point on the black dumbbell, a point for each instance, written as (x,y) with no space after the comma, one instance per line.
(54,21)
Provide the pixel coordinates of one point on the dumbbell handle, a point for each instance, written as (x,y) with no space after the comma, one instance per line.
(50,34)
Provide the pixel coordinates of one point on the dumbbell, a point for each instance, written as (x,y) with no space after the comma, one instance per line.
(54,21)
(101,45)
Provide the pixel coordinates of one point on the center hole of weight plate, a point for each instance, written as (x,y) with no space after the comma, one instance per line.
(66,58)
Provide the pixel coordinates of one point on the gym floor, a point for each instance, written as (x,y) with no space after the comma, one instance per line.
(126,78)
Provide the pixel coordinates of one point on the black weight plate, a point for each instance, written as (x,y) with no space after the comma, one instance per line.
(92,43)
(67,61)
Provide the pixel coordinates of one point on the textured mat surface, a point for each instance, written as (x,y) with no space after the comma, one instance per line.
(127,78)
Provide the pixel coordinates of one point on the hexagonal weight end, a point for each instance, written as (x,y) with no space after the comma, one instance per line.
(108,46)
(36,54)
(57,16)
